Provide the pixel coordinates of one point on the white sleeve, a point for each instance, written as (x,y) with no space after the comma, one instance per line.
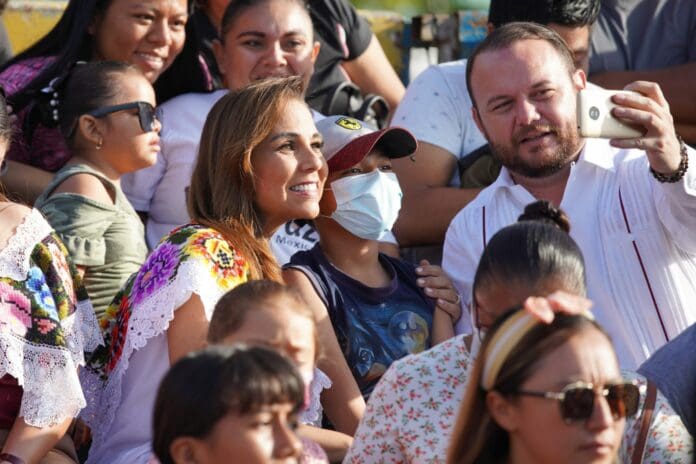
(676,207)
(459,260)
(432,111)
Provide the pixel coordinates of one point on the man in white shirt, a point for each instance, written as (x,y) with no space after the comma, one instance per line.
(631,202)
(437,110)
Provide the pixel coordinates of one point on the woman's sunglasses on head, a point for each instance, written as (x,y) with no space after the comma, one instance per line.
(146,113)
(577,400)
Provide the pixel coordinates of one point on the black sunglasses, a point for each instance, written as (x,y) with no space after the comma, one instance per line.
(146,113)
(577,400)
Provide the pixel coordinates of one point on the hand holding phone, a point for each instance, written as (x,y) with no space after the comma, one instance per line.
(595,119)
(642,111)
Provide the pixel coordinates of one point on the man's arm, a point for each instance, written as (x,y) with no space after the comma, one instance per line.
(428,204)
(372,72)
(677,86)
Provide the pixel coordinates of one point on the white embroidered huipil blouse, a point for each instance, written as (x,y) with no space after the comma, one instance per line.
(638,238)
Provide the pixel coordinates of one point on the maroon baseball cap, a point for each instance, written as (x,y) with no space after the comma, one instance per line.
(347,141)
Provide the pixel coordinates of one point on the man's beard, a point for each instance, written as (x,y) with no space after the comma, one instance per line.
(568,145)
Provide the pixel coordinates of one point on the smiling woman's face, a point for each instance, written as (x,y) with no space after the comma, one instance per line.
(271,39)
(146,33)
(289,169)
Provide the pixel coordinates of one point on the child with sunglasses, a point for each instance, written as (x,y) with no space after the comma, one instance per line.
(106,113)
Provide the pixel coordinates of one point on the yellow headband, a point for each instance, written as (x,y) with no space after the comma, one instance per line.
(505,340)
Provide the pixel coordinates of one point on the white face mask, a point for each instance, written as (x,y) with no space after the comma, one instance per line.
(367,205)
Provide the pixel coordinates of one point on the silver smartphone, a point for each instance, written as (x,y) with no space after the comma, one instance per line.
(595,119)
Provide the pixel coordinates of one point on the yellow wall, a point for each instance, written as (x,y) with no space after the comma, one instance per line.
(28,20)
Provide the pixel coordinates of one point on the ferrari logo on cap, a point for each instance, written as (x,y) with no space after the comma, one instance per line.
(349,123)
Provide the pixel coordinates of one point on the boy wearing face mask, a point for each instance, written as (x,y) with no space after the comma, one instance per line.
(377,310)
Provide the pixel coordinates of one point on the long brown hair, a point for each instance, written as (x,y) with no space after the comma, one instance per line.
(222,193)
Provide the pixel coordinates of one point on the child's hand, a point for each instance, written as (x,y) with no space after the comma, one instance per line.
(437,285)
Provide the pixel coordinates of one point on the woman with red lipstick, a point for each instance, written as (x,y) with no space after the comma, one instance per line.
(148,34)
(259,165)
(108,122)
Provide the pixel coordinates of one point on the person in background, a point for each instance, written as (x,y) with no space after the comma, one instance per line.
(259,165)
(437,109)
(47,324)
(262,312)
(422,393)
(108,121)
(349,50)
(229,404)
(632,201)
(649,41)
(148,35)
(371,308)
(544,392)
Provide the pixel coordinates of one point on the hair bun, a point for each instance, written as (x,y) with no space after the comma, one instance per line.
(547,212)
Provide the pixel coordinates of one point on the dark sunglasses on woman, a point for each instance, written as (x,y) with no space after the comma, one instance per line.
(146,113)
(577,400)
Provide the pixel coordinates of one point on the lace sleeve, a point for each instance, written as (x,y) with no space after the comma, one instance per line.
(312,415)
(46,323)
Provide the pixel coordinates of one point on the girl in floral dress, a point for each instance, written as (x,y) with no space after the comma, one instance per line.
(46,325)
(259,165)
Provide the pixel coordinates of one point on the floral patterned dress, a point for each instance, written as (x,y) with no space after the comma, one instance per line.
(121,379)
(46,323)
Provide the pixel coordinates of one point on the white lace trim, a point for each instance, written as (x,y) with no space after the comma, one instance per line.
(148,320)
(81,331)
(48,375)
(16,256)
(314,412)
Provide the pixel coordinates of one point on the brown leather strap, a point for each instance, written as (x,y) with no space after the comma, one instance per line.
(642,437)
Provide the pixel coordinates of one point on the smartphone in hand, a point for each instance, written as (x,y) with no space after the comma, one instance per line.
(595,119)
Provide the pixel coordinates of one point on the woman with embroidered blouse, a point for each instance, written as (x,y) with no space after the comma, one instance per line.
(107,119)
(259,165)
(46,325)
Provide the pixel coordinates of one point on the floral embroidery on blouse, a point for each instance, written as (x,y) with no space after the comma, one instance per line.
(34,308)
(46,322)
(187,243)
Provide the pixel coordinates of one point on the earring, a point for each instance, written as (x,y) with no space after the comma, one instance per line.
(100,144)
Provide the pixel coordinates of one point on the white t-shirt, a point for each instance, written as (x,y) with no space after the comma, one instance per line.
(437,110)
(160,190)
(636,235)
